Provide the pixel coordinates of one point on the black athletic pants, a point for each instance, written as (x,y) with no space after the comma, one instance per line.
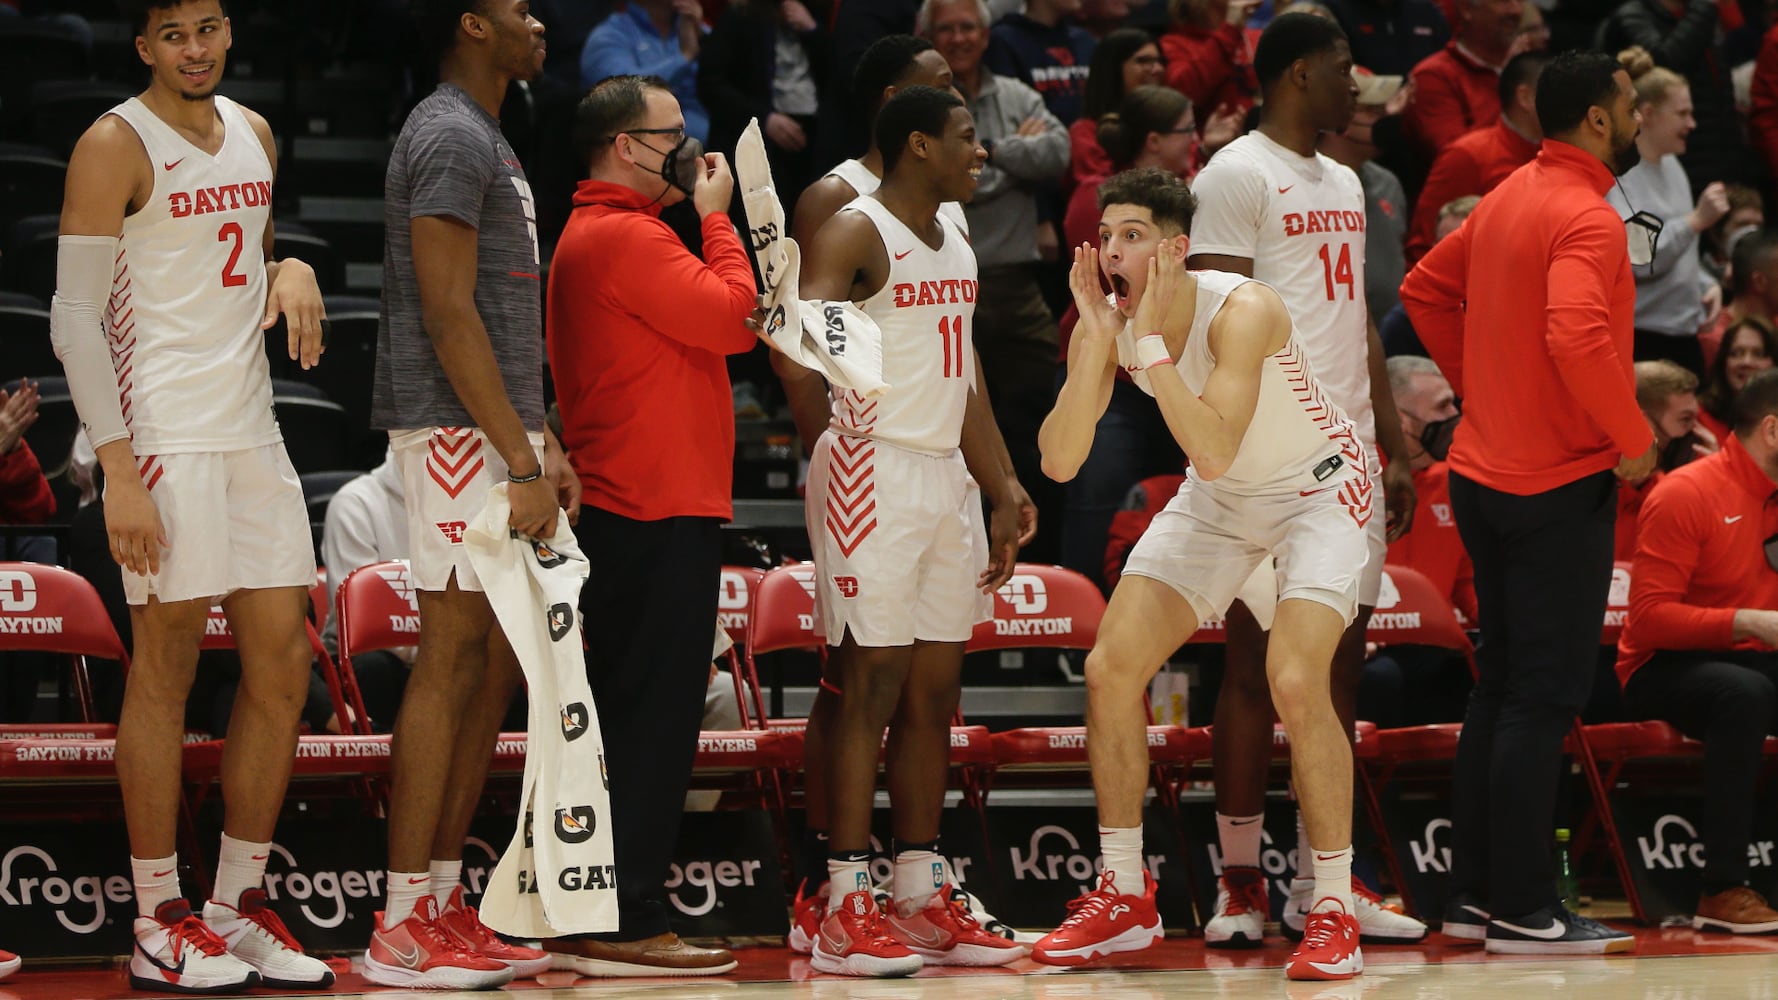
(650,607)
(1729,700)
(1542,572)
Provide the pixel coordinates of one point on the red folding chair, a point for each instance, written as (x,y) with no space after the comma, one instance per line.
(376,609)
(219,635)
(48,609)
(734,605)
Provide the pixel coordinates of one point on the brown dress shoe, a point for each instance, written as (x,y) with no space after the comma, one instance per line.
(661,955)
(1737,911)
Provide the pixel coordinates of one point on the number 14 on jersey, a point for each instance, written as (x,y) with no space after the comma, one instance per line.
(1337,271)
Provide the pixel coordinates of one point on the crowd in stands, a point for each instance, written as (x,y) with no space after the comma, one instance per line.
(1064,94)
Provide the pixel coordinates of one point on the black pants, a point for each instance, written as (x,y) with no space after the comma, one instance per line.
(1685,352)
(1730,701)
(650,607)
(1542,572)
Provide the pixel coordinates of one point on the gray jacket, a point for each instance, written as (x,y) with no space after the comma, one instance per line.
(1003,214)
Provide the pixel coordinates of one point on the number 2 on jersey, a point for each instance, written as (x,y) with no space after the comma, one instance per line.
(950,328)
(1337,273)
(232,231)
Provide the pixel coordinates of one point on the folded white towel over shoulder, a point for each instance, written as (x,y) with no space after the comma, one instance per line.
(834,338)
(557,876)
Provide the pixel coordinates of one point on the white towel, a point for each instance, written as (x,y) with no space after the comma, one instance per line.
(557,876)
(833,338)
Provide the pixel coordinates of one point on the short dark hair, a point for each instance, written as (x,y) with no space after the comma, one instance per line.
(1293,36)
(1750,252)
(1105,72)
(1166,197)
(1518,71)
(915,109)
(1571,83)
(614,104)
(1756,401)
(436,21)
(136,12)
(886,63)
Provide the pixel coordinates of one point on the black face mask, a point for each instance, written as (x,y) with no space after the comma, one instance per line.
(682,165)
(1436,437)
(1678,452)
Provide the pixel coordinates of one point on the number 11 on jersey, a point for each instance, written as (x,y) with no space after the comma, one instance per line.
(950,329)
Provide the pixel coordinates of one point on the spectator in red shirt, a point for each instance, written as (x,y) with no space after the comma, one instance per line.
(639,332)
(1423,399)
(1210,57)
(1749,347)
(1476,162)
(24,493)
(1667,396)
(1125,59)
(1458,90)
(1698,645)
(1762,118)
(1527,309)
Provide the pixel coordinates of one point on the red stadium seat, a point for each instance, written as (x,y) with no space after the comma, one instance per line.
(1047,607)
(219,635)
(48,609)
(735,599)
(377,609)
(1617,604)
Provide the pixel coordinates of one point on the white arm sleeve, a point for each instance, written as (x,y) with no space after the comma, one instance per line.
(84,269)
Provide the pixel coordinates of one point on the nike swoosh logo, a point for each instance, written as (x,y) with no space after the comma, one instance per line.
(931,937)
(409,959)
(1245,822)
(1732,520)
(1550,933)
(163,874)
(419,881)
(1326,857)
(1474,911)
(173,972)
(169,166)
(902,254)
(1285,190)
(261,857)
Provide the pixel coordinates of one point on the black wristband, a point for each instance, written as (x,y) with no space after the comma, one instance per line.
(533,477)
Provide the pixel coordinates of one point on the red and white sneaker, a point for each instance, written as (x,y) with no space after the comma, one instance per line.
(806,916)
(175,952)
(855,941)
(9,963)
(943,932)
(1329,949)
(1241,906)
(466,924)
(421,954)
(1102,922)
(255,935)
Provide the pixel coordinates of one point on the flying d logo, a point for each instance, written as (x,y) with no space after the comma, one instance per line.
(574,721)
(575,825)
(561,620)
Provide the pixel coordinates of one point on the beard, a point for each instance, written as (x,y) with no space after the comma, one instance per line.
(1624,153)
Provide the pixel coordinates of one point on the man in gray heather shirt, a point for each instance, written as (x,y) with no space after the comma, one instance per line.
(459,387)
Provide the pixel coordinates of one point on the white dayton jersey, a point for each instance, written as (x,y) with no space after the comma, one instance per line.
(926,310)
(1298,438)
(1300,220)
(855,173)
(189,292)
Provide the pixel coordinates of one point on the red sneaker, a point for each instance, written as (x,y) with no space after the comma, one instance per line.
(467,925)
(807,914)
(1102,922)
(943,932)
(421,954)
(855,941)
(1329,949)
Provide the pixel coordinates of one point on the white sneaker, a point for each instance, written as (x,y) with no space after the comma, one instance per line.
(255,935)
(988,921)
(1378,923)
(1242,902)
(176,953)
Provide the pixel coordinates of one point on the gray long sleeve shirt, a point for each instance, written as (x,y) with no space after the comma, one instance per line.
(1003,214)
(1670,290)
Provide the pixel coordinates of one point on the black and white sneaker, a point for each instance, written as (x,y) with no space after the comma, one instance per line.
(1554,931)
(1465,918)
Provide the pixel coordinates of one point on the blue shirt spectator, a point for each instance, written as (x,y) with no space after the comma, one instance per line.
(631,40)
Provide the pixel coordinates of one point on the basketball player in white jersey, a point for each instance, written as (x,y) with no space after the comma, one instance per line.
(164,286)
(1271,207)
(890,64)
(904,569)
(1276,472)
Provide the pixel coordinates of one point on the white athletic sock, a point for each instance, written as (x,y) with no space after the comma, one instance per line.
(846,876)
(1304,853)
(1333,878)
(157,880)
(446,876)
(918,876)
(1122,850)
(1240,836)
(239,867)
(405,889)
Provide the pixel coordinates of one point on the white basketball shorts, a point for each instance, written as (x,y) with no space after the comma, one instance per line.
(235,520)
(446,473)
(899,544)
(1208,541)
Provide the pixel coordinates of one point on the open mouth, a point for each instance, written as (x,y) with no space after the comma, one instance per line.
(1120,287)
(197,74)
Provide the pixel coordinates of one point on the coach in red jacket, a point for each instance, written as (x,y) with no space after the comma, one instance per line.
(639,330)
(1698,646)
(1527,309)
